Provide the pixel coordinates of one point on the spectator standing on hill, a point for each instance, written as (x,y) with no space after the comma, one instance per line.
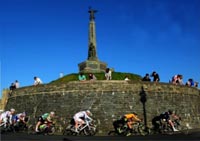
(81,77)
(108,74)
(16,84)
(180,80)
(146,77)
(37,81)
(190,82)
(196,84)
(126,78)
(11,88)
(174,79)
(155,76)
(177,79)
(92,76)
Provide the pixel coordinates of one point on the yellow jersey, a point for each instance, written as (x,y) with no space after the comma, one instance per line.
(132,116)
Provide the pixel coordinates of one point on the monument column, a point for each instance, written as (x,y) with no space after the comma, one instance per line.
(92,49)
(92,64)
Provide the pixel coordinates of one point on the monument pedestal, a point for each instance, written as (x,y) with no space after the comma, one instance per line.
(92,66)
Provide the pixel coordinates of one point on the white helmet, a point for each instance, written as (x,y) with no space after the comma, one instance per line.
(24,113)
(88,111)
(52,113)
(12,110)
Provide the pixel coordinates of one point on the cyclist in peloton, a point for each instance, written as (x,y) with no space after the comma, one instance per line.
(7,115)
(21,117)
(80,117)
(128,119)
(166,117)
(131,119)
(47,117)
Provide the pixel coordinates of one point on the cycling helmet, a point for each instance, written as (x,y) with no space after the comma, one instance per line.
(24,113)
(12,110)
(88,111)
(52,113)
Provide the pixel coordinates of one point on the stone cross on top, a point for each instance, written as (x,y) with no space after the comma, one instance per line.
(92,11)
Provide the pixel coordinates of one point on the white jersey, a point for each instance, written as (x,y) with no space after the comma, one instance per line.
(20,115)
(6,115)
(37,81)
(81,114)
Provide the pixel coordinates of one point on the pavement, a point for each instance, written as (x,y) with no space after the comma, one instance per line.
(194,135)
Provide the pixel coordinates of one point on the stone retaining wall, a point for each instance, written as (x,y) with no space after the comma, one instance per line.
(108,100)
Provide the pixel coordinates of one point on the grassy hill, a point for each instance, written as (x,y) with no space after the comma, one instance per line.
(99,76)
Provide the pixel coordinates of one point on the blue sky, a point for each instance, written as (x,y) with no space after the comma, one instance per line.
(45,37)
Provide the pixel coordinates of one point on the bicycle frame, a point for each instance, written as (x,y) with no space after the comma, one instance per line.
(3,124)
(87,124)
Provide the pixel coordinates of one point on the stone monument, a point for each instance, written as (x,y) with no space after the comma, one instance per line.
(92,64)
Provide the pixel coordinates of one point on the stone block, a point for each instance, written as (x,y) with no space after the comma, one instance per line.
(92,67)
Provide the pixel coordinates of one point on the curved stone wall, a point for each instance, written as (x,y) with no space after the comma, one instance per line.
(108,100)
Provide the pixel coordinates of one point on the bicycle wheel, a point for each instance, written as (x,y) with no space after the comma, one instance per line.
(30,129)
(183,129)
(112,133)
(67,132)
(51,131)
(92,131)
(2,129)
(167,130)
(142,130)
(89,132)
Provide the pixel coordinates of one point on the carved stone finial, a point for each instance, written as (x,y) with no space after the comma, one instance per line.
(92,11)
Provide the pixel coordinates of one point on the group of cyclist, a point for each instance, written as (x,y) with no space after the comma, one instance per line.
(167,117)
(9,118)
(79,119)
(129,119)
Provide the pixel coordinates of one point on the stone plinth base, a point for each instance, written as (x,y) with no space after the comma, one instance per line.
(92,67)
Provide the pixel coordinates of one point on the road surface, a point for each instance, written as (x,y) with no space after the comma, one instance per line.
(192,136)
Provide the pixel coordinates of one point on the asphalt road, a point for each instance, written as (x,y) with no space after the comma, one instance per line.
(192,136)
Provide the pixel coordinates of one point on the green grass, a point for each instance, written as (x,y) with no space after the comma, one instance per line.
(99,76)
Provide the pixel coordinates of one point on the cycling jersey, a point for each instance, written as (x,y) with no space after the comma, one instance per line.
(131,116)
(81,115)
(165,115)
(6,116)
(19,116)
(45,117)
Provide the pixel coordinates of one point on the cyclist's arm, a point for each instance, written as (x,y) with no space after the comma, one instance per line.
(136,118)
(10,119)
(175,117)
(49,119)
(87,117)
(22,119)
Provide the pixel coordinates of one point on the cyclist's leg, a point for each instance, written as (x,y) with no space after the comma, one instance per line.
(172,125)
(130,122)
(78,123)
(40,121)
(116,125)
(156,123)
